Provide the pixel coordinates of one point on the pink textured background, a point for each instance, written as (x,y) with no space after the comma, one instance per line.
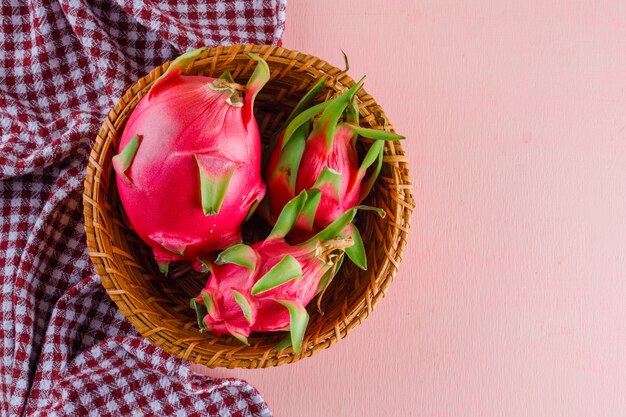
(511,300)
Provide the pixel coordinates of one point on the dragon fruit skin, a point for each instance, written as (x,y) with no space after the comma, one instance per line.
(266,286)
(188,172)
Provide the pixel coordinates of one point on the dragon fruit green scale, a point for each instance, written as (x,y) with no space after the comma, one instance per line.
(188,167)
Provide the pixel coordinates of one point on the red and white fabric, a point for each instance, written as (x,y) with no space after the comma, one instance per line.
(65,349)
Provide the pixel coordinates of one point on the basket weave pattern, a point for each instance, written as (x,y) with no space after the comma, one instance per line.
(158,306)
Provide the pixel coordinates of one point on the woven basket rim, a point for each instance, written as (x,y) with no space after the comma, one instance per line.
(99,232)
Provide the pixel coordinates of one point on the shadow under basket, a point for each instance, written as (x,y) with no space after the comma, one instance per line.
(158,306)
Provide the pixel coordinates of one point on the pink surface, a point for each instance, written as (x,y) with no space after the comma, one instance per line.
(511,300)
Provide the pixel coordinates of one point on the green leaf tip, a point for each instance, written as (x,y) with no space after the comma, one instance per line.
(177,66)
(329,177)
(252,209)
(200,310)
(310,207)
(164,268)
(283,344)
(182,62)
(374,134)
(179,251)
(336,227)
(287,269)
(291,155)
(306,100)
(356,252)
(209,303)
(298,321)
(239,336)
(259,78)
(327,122)
(122,161)
(244,304)
(288,216)
(352,112)
(374,154)
(214,185)
(239,254)
(206,265)
(301,119)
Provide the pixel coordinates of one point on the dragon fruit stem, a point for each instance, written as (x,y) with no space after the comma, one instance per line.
(230,90)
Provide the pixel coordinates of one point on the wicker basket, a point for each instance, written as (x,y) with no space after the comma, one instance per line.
(158,306)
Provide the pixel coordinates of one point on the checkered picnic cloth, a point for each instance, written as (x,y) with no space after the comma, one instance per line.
(65,349)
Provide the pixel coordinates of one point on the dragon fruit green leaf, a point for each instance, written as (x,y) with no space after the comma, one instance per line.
(306,100)
(238,254)
(288,216)
(368,183)
(289,160)
(287,269)
(259,78)
(214,185)
(374,134)
(283,344)
(356,252)
(238,334)
(303,130)
(209,303)
(206,265)
(164,267)
(301,119)
(245,305)
(327,123)
(177,251)
(298,320)
(252,210)
(177,66)
(200,312)
(329,178)
(310,207)
(373,154)
(352,113)
(122,161)
(336,227)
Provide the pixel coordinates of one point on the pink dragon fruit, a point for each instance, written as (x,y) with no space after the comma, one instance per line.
(321,157)
(265,287)
(188,170)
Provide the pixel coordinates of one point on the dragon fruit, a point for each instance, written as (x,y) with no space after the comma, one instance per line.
(320,156)
(266,286)
(188,169)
